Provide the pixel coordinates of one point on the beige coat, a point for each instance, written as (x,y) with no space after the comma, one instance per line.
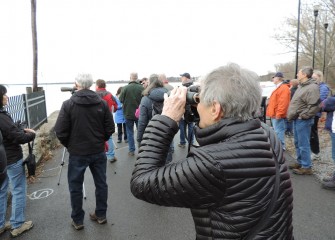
(305,101)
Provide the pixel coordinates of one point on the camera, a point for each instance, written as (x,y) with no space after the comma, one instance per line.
(21,125)
(192,99)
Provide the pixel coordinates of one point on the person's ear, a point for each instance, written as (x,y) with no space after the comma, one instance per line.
(216,111)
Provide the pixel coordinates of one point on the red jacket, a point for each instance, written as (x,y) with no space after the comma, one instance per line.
(279,102)
(108,97)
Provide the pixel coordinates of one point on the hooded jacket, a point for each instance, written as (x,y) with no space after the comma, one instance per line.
(305,101)
(84,123)
(13,137)
(227,181)
(146,110)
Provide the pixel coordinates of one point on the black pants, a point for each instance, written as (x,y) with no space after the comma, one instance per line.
(314,140)
(119,131)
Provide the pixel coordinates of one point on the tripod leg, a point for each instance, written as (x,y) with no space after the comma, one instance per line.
(84,192)
(62,164)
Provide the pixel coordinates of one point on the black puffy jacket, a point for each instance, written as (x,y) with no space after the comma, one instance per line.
(227,182)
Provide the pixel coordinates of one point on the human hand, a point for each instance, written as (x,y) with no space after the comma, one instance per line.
(174,105)
(29,130)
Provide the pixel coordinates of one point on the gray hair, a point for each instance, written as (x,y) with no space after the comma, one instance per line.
(236,89)
(84,80)
(319,74)
(308,71)
(133,76)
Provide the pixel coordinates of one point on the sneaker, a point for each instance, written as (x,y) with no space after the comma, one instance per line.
(181,145)
(77,226)
(118,141)
(111,160)
(5,228)
(315,157)
(131,154)
(328,185)
(294,166)
(303,171)
(23,228)
(99,220)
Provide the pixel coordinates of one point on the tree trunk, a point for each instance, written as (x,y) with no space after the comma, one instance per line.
(35,49)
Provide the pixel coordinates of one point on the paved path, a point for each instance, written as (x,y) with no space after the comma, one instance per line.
(130,218)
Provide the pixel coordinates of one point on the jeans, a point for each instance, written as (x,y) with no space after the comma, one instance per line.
(110,153)
(315,148)
(332,135)
(76,170)
(279,127)
(302,132)
(121,126)
(182,128)
(17,179)
(130,133)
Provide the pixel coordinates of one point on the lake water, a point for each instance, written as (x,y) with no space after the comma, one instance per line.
(55,97)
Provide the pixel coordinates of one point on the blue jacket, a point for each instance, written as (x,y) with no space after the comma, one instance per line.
(324,91)
(119,118)
(328,105)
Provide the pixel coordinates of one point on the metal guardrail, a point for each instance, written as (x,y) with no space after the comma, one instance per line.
(29,108)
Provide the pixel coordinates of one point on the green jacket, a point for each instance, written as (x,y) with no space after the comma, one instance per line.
(131,97)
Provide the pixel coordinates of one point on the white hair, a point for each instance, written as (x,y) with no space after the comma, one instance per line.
(84,80)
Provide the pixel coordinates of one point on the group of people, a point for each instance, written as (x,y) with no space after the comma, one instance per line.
(296,107)
(235,180)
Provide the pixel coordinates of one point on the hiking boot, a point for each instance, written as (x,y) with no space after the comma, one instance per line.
(329,185)
(303,171)
(113,159)
(131,154)
(294,166)
(23,228)
(100,220)
(77,226)
(315,157)
(181,145)
(5,228)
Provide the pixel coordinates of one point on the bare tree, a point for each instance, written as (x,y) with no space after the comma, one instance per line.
(287,36)
(35,48)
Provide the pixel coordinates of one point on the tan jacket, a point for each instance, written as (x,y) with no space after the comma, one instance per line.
(305,101)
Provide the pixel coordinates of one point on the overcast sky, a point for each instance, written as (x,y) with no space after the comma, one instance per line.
(111,38)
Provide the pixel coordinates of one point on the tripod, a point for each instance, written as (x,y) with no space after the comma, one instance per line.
(60,173)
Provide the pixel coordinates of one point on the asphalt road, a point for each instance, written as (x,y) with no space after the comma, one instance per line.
(48,206)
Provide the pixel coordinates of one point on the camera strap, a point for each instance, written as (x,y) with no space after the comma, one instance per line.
(31,147)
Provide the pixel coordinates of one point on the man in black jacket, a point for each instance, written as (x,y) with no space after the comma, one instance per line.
(235,183)
(83,125)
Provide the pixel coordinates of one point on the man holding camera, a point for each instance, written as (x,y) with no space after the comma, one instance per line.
(186,125)
(84,124)
(235,183)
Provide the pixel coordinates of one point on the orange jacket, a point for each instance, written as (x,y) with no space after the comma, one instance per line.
(279,102)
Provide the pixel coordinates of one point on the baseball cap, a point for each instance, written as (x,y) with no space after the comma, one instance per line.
(187,75)
(278,74)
